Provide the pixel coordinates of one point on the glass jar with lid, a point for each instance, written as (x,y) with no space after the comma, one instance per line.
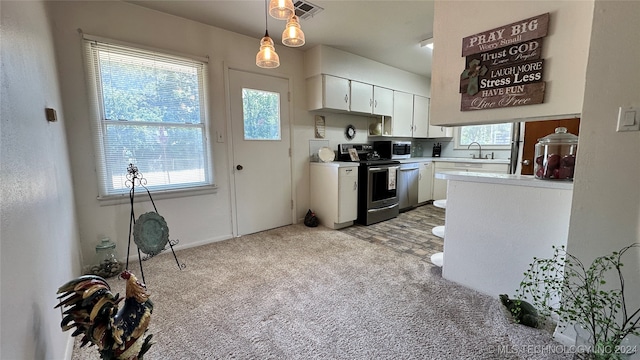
(556,156)
(106,262)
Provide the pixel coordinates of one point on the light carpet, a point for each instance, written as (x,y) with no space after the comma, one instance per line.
(315,293)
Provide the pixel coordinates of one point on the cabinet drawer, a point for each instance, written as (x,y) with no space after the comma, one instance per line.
(347,171)
(468,165)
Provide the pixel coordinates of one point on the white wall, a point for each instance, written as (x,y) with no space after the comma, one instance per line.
(193,220)
(39,241)
(605,215)
(489,253)
(605,211)
(565,52)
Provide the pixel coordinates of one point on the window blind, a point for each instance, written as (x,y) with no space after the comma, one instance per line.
(148,109)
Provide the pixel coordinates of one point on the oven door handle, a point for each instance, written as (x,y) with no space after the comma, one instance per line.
(384,208)
(371,169)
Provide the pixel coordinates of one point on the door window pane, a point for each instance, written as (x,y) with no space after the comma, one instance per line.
(261,113)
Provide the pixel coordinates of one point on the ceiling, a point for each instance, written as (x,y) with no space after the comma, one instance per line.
(385,31)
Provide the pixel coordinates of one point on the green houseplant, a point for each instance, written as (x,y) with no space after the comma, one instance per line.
(562,285)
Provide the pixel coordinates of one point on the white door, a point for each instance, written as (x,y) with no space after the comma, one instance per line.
(260,155)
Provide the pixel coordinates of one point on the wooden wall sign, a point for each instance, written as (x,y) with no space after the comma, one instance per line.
(517,95)
(495,77)
(517,32)
(504,66)
(530,50)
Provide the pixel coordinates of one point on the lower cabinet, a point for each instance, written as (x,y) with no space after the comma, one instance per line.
(425,182)
(334,194)
(440,186)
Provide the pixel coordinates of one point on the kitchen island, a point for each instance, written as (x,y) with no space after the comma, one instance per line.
(496,224)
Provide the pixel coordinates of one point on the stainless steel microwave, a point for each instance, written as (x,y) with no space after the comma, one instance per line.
(392,149)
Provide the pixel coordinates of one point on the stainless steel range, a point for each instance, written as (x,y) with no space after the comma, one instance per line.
(377,183)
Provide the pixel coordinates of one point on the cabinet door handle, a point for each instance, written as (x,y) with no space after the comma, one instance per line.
(355,185)
(346,98)
(376,103)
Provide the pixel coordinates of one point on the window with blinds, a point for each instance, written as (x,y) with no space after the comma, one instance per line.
(148,111)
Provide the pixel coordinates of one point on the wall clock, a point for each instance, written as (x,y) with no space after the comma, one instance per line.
(350,132)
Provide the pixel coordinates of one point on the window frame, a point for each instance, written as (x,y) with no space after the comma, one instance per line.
(109,195)
(458,136)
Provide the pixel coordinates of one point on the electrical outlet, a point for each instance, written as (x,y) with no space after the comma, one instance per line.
(628,119)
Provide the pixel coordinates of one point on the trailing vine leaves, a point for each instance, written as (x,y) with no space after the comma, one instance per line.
(562,285)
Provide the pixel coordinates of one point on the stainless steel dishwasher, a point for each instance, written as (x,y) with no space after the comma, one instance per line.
(408,185)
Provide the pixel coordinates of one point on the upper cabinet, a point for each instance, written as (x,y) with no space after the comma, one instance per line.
(361,97)
(343,82)
(371,83)
(328,92)
(382,101)
(370,99)
(420,116)
(402,114)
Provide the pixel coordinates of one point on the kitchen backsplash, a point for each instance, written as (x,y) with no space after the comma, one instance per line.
(336,123)
(448,149)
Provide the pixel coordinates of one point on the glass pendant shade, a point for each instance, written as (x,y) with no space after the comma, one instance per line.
(267,57)
(281,9)
(292,35)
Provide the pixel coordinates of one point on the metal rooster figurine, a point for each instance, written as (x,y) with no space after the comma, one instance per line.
(92,309)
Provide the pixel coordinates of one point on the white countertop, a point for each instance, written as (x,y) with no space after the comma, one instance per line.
(505,179)
(422,159)
(336,164)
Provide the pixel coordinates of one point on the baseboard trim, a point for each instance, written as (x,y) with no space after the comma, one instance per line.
(134,258)
(68,352)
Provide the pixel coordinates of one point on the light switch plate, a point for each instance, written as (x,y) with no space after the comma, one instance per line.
(628,118)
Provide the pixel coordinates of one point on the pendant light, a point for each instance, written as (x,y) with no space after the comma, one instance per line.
(281,9)
(267,57)
(292,35)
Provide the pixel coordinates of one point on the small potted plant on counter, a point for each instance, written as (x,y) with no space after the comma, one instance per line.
(562,285)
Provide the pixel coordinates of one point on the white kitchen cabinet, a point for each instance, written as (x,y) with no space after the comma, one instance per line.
(382,101)
(334,193)
(328,92)
(402,114)
(440,186)
(425,182)
(420,116)
(370,99)
(361,97)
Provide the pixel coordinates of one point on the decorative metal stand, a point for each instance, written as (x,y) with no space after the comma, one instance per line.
(135,178)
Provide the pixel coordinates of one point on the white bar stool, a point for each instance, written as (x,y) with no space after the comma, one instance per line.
(437,259)
(442,203)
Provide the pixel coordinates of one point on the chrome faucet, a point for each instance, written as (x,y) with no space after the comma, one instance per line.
(479,150)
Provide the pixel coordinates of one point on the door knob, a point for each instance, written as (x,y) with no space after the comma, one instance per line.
(239,167)
(526,162)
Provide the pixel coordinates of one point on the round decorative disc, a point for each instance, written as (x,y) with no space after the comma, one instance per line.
(350,132)
(151,233)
